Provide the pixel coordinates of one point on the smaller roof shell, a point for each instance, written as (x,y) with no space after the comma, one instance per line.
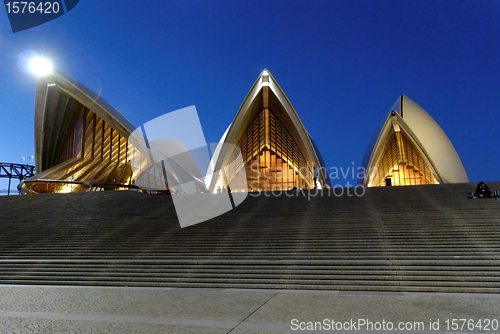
(427,136)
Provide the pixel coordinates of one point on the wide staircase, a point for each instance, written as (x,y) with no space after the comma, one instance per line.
(419,238)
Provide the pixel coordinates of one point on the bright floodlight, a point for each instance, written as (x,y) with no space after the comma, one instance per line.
(40,66)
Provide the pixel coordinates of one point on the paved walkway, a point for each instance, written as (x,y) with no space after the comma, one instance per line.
(56,309)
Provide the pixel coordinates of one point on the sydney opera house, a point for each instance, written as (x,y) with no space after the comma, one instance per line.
(83,144)
(410,148)
(278,152)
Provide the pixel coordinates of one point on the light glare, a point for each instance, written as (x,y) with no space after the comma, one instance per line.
(40,66)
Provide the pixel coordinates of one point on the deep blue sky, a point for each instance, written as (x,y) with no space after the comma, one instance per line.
(342,65)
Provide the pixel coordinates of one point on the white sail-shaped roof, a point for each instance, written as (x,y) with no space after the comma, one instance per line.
(246,114)
(425,134)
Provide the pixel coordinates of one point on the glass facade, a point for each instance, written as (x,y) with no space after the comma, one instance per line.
(273,160)
(83,144)
(402,163)
(410,148)
(85,153)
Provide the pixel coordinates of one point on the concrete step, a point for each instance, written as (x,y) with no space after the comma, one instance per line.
(424,238)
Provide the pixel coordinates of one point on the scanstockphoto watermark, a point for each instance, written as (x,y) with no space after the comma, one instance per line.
(333,173)
(345,173)
(362,324)
(357,325)
(336,191)
(338,181)
(172,154)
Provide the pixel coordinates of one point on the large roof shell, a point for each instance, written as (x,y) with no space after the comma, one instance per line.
(244,117)
(50,111)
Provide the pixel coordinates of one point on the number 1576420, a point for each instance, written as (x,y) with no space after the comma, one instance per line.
(22,7)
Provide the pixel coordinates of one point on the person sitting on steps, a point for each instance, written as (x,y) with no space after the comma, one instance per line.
(482,190)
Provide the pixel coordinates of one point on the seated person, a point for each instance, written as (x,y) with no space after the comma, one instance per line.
(482,190)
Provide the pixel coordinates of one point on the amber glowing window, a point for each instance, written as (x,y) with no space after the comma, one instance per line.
(85,150)
(273,159)
(402,164)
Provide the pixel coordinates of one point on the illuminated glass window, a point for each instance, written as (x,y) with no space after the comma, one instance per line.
(402,164)
(272,158)
(82,152)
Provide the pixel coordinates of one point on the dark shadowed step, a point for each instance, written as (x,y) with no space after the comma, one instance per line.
(420,238)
